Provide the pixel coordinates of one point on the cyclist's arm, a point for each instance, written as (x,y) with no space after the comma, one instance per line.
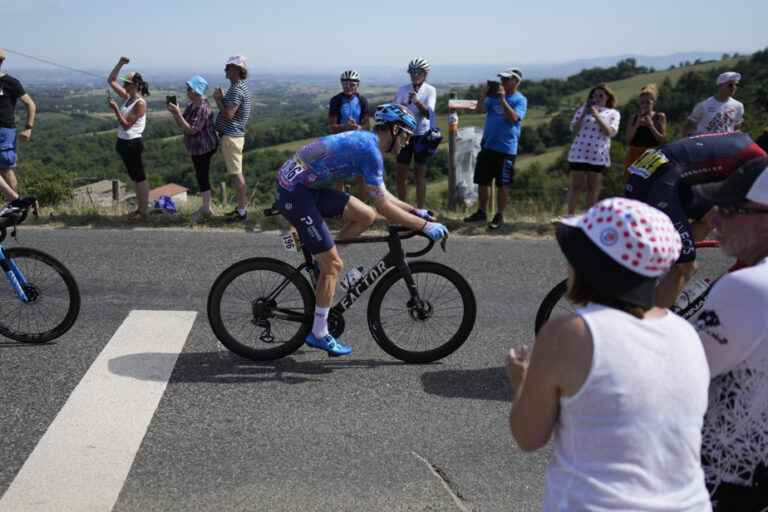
(393,209)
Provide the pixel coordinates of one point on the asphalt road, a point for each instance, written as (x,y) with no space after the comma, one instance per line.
(305,432)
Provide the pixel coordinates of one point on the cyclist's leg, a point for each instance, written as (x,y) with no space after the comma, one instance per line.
(357,217)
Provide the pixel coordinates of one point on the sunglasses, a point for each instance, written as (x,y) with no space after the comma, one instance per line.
(731,211)
(350,82)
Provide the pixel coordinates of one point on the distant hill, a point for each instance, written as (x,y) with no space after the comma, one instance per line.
(372,75)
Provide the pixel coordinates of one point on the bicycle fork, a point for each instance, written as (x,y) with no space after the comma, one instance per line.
(14,275)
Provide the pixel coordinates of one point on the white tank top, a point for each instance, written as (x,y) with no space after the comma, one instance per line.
(135,131)
(630,439)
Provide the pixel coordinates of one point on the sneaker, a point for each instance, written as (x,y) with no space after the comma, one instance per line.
(235,216)
(328,343)
(497,222)
(478,216)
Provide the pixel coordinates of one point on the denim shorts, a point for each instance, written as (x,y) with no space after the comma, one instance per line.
(7,148)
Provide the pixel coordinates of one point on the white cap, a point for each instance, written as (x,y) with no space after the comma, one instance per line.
(237,60)
(728,76)
(512,72)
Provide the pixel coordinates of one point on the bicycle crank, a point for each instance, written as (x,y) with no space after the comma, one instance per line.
(336,323)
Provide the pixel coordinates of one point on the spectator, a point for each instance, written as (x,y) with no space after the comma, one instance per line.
(420,98)
(720,113)
(348,111)
(199,136)
(234,111)
(505,110)
(605,382)
(132,119)
(593,125)
(646,129)
(12,91)
(734,330)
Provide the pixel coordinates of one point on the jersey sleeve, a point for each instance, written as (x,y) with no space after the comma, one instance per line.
(399,97)
(520,106)
(364,112)
(614,119)
(372,167)
(233,98)
(732,322)
(432,99)
(698,113)
(334,107)
(18,89)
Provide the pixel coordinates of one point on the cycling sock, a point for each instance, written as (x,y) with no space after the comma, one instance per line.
(320,324)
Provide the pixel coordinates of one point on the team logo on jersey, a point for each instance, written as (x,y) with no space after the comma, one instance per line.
(609,236)
(288,206)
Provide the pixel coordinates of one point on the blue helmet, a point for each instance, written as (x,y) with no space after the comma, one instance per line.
(392,113)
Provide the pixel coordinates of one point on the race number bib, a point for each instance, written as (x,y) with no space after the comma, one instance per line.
(291,241)
(290,171)
(648,163)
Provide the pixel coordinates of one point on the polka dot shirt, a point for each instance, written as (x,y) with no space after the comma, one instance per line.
(591,145)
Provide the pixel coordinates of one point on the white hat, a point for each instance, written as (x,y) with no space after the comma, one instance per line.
(512,72)
(728,76)
(237,60)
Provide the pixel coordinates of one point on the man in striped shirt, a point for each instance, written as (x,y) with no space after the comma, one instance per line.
(234,110)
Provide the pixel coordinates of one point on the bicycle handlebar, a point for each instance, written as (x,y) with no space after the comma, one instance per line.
(15,213)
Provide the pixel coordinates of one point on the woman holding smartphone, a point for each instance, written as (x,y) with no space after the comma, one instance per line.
(132,119)
(199,136)
(646,129)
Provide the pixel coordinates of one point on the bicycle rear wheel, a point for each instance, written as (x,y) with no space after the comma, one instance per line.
(53,298)
(261,308)
(426,332)
(555,302)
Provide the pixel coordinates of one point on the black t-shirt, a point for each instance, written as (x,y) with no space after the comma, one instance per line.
(10,91)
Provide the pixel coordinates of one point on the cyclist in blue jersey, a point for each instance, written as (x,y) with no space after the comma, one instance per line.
(305,196)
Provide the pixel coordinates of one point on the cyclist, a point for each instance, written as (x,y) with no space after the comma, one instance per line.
(663,177)
(305,196)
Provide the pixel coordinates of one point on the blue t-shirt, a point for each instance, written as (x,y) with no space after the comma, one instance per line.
(500,134)
(339,156)
(345,107)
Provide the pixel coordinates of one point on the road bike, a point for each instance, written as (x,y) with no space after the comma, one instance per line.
(42,300)
(555,301)
(418,312)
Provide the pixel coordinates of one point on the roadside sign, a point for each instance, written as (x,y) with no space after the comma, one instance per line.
(462,104)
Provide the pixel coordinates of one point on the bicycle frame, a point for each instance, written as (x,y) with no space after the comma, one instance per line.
(14,275)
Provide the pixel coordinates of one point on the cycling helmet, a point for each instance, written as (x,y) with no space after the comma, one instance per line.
(392,113)
(417,65)
(350,74)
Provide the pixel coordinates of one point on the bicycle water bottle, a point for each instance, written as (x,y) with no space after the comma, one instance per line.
(691,293)
(352,277)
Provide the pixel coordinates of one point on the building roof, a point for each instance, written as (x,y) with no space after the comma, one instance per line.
(170,190)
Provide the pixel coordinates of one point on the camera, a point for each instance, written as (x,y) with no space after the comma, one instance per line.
(171,100)
(493,87)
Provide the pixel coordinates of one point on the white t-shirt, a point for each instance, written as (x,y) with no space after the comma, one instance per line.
(427,95)
(630,438)
(713,116)
(591,145)
(733,326)
(137,129)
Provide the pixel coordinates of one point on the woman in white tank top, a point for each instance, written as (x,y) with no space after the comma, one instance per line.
(620,386)
(131,118)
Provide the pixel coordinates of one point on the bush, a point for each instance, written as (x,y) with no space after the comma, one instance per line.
(50,185)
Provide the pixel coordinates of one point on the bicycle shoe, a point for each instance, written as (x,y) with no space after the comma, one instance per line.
(328,343)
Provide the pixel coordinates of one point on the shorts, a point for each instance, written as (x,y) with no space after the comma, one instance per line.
(232,151)
(664,191)
(585,167)
(492,165)
(306,209)
(130,151)
(7,148)
(409,152)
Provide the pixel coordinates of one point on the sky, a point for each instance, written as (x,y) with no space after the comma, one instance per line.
(306,35)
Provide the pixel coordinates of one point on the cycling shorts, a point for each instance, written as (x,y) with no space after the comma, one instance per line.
(306,209)
(663,190)
(415,150)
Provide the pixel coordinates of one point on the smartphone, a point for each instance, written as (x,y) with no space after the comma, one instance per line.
(493,87)
(171,99)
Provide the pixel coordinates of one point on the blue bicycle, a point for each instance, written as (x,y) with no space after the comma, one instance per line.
(42,300)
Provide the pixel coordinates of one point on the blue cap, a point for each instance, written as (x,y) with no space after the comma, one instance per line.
(198,84)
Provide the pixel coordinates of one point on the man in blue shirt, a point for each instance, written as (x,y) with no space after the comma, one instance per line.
(505,109)
(348,111)
(305,197)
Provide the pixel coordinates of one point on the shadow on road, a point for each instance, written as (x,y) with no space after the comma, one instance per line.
(482,384)
(226,368)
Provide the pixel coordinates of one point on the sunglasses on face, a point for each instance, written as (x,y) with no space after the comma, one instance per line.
(731,211)
(349,82)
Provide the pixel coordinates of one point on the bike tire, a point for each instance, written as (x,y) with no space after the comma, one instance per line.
(233,318)
(54,299)
(555,299)
(386,296)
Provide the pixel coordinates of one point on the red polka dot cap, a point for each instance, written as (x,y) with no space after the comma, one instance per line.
(635,235)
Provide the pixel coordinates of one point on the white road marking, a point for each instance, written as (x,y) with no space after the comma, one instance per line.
(83,459)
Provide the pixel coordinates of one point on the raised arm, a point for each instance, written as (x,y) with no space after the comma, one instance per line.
(113,80)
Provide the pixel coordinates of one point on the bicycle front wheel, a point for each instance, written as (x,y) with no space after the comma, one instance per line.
(261,308)
(554,302)
(426,331)
(53,299)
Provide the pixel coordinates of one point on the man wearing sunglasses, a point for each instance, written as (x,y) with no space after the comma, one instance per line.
(663,177)
(733,326)
(719,113)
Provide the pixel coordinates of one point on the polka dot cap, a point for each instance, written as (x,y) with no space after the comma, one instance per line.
(635,235)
